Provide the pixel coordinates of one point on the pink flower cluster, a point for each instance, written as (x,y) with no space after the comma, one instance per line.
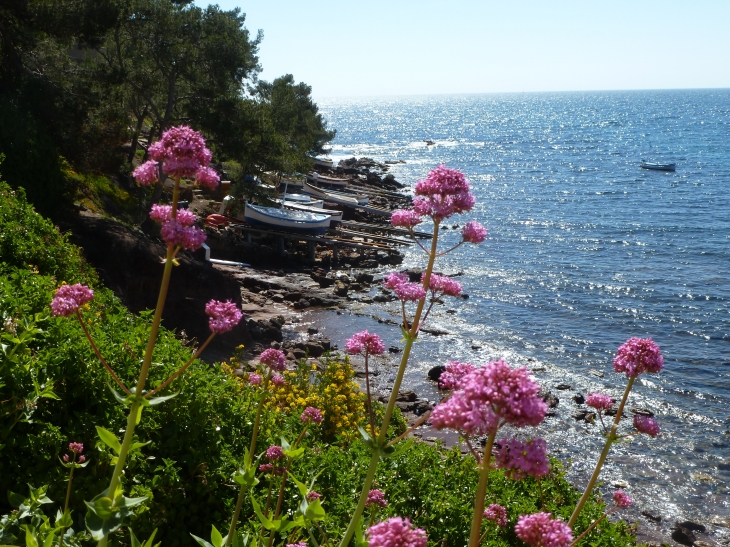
(451,377)
(443,285)
(396,532)
(69,298)
(274,452)
(163,213)
(599,401)
(311,414)
(646,425)
(178,231)
(278,380)
(405,218)
(405,290)
(77,448)
(638,355)
(444,192)
(497,514)
(489,397)
(223,315)
(363,341)
(473,232)
(540,530)
(274,359)
(376,497)
(311,496)
(297,544)
(520,459)
(254,379)
(621,499)
(183,153)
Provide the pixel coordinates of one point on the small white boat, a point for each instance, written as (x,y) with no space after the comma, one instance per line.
(287,219)
(352,200)
(316,178)
(323,162)
(335,216)
(658,166)
(304,199)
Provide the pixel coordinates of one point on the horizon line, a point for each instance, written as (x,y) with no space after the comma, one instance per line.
(617,90)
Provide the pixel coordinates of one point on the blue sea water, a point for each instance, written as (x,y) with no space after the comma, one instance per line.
(585,250)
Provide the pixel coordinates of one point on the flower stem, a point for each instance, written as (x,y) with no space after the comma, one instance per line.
(254,437)
(592,526)
(370,401)
(99,356)
(181,369)
(476,522)
(146,363)
(413,333)
(602,459)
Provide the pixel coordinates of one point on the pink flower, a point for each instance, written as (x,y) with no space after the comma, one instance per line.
(410,292)
(599,401)
(489,397)
(407,218)
(66,457)
(371,344)
(473,232)
(541,531)
(78,448)
(278,380)
(442,284)
(223,316)
(396,532)
(647,425)
(298,544)
(497,514)
(274,452)
(520,459)
(376,497)
(621,499)
(147,173)
(176,234)
(443,193)
(69,298)
(638,355)
(394,279)
(182,152)
(451,377)
(254,379)
(274,359)
(266,468)
(311,414)
(208,177)
(82,459)
(311,496)
(161,213)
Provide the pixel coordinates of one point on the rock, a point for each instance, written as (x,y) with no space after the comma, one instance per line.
(719,520)
(704,544)
(435,373)
(299,353)
(326,344)
(642,411)
(701,477)
(340,289)
(683,536)
(550,399)
(312,330)
(414,274)
(314,349)
(394,349)
(293,296)
(596,373)
(692,526)
(404,406)
(580,415)
(652,516)
(407,396)
(422,406)
(365,278)
(291,357)
(563,387)
(579,399)
(382,298)
(301,304)
(278,298)
(475,347)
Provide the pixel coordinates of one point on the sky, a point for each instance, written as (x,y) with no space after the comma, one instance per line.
(405,47)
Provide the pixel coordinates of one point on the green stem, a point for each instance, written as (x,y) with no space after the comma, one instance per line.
(592,526)
(254,437)
(602,459)
(146,363)
(413,333)
(476,521)
(68,497)
(182,369)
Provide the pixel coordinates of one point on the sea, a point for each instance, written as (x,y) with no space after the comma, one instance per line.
(585,250)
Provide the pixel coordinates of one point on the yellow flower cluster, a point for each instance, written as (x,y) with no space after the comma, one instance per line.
(331,389)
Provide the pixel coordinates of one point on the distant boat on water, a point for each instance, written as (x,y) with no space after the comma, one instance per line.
(654,166)
(287,219)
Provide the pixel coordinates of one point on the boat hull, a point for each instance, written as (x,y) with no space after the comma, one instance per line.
(658,166)
(336,197)
(285,219)
(335,216)
(330,181)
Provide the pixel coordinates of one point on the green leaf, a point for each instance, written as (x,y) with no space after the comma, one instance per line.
(109,439)
(30,537)
(294,454)
(397,450)
(216,538)
(315,511)
(158,400)
(65,520)
(16,500)
(285,444)
(137,446)
(246,478)
(303,490)
(200,541)
(50,538)
(267,523)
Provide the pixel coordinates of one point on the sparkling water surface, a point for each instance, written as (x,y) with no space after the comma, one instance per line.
(585,250)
